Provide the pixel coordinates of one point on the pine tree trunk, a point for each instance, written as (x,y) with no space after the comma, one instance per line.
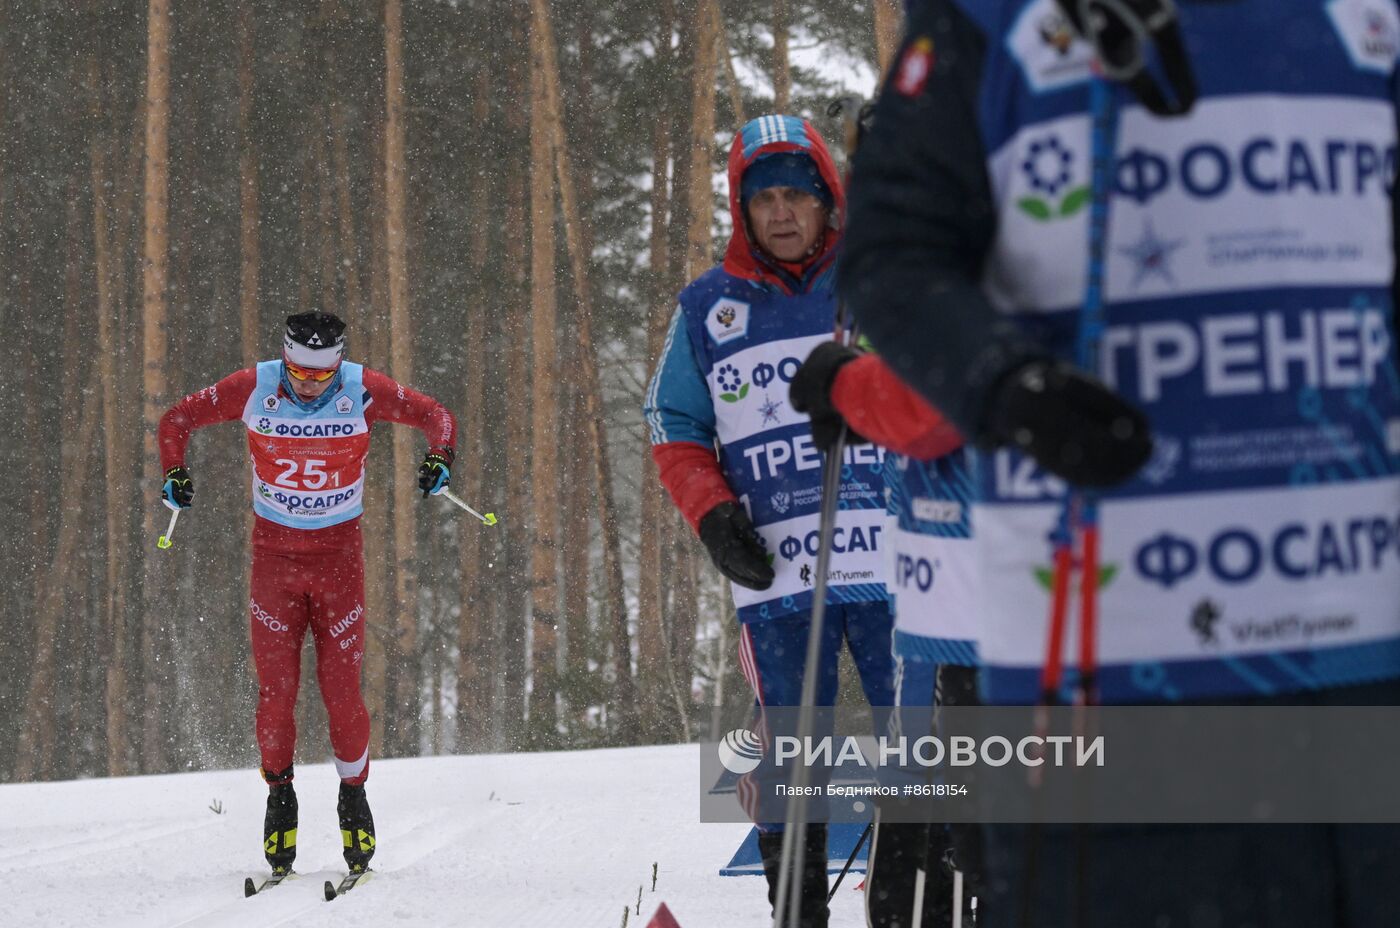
(576,517)
(624,685)
(782,74)
(39,521)
(353,307)
(700,250)
(650,616)
(380,607)
(404,657)
(249,244)
(888,23)
(155,673)
(4,133)
(726,61)
(112,652)
(126,158)
(326,224)
(544,398)
(473,633)
(247,189)
(511,610)
(577,465)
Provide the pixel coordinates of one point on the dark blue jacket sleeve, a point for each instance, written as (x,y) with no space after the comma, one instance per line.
(922,220)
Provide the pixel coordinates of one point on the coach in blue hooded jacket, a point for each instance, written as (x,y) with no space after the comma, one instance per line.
(739,461)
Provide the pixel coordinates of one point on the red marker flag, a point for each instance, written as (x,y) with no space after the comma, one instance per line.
(663,919)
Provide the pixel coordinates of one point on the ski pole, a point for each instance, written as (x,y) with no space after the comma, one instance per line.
(788,899)
(164,541)
(488,519)
(920,887)
(849,860)
(789,895)
(957,898)
(1076,537)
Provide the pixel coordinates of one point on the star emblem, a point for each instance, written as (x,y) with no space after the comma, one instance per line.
(1152,255)
(770,410)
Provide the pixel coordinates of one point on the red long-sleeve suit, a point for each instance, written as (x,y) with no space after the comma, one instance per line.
(307,577)
(878,405)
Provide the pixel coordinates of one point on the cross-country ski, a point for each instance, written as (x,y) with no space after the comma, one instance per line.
(347,883)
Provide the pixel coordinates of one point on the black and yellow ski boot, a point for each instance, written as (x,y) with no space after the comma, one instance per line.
(356,827)
(280,823)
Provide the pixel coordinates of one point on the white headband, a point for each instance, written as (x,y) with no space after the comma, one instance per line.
(315,358)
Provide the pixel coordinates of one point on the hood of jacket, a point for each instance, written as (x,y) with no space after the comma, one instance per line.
(769,135)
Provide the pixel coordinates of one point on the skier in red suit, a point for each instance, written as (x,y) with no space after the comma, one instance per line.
(308,416)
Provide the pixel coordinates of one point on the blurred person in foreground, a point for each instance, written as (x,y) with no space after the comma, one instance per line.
(1249,269)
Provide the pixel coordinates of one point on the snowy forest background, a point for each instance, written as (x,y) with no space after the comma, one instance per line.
(502,197)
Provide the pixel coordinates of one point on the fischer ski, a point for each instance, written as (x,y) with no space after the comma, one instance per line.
(252,889)
(351,880)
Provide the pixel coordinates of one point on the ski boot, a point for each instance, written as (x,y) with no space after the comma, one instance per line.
(280,822)
(356,827)
(812,859)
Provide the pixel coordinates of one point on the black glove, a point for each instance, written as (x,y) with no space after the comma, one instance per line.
(810,392)
(734,546)
(1071,424)
(177,492)
(435,473)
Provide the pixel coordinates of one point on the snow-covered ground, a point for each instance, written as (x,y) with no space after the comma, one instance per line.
(501,841)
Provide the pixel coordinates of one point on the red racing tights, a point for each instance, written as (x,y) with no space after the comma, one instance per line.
(309,579)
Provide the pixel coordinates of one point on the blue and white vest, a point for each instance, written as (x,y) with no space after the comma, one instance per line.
(931,560)
(308,460)
(1248,274)
(748,341)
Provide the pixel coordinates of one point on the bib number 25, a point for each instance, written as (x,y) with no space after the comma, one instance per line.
(307,474)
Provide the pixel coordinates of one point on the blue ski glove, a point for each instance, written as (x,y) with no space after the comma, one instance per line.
(435,473)
(178,490)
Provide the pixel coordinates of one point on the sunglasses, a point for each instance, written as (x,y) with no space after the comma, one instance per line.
(306,373)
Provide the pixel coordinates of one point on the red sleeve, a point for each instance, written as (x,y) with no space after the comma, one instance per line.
(692,476)
(222,402)
(389,401)
(886,410)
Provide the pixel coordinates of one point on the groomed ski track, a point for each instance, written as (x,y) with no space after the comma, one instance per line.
(494,840)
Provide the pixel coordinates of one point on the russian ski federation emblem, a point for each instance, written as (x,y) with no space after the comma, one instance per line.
(1049,52)
(1370,32)
(727,320)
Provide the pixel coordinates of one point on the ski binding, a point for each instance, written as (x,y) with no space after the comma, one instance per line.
(252,889)
(351,880)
